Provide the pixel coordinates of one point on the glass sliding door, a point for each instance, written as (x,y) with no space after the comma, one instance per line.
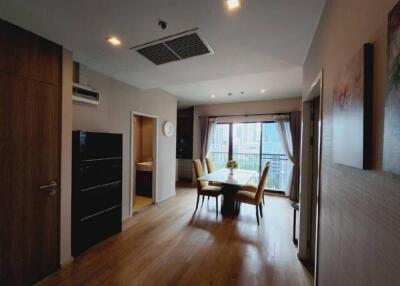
(246,147)
(219,148)
(272,151)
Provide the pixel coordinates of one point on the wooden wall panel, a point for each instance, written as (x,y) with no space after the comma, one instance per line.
(28,55)
(30,151)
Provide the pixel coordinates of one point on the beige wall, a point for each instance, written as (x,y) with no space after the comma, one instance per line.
(360,214)
(143,127)
(66,159)
(117,100)
(147,138)
(241,108)
(137,127)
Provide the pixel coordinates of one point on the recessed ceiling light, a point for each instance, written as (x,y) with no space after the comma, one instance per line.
(233,4)
(114,41)
(212,95)
(263,90)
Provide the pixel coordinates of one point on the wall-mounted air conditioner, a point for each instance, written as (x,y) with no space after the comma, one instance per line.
(85,94)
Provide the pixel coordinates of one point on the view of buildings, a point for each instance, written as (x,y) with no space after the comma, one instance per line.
(253,145)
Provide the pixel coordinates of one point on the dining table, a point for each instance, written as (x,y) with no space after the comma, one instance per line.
(231,182)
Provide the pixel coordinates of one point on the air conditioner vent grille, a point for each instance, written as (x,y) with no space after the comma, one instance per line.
(159,54)
(188,46)
(174,48)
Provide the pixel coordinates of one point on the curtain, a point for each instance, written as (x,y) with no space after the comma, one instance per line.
(289,133)
(207,127)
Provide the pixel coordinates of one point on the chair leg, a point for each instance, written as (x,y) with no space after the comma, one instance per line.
(216,203)
(197,203)
(208,198)
(261,211)
(263,198)
(236,208)
(258,219)
(202,202)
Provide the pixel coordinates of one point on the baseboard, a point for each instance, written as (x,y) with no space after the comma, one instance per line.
(166,198)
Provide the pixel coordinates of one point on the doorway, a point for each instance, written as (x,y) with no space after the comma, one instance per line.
(310,177)
(143,161)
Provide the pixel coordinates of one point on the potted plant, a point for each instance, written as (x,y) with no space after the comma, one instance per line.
(232,164)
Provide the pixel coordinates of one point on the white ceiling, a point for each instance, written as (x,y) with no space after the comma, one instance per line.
(262,45)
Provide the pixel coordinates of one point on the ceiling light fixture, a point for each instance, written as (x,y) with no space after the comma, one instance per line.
(114,41)
(212,95)
(232,4)
(263,90)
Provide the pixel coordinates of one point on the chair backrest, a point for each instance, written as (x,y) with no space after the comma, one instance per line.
(198,169)
(261,184)
(210,165)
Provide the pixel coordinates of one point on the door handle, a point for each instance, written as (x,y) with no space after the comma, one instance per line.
(50,188)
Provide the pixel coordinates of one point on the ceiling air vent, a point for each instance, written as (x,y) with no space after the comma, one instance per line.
(158,54)
(175,48)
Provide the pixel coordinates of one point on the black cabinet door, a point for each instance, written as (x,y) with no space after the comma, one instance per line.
(97,188)
(184,134)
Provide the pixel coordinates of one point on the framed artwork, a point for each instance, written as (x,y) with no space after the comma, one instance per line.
(391,140)
(352,111)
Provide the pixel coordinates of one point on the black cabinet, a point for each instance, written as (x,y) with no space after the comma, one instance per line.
(184,133)
(144,183)
(96,188)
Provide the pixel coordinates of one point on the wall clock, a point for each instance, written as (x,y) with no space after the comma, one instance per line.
(168,128)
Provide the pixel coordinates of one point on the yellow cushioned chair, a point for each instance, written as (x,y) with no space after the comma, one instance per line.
(210,165)
(252,194)
(203,188)
(210,169)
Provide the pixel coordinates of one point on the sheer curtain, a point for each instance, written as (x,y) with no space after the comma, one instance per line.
(289,133)
(207,127)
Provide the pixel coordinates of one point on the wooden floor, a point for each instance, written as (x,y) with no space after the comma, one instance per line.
(169,245)
(141,202)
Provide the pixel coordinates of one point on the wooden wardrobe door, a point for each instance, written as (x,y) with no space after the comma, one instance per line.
(30,160)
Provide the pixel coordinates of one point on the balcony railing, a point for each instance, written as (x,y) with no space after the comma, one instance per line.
(278,176)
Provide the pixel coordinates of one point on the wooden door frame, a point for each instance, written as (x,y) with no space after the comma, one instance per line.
(315,91)
(132,168)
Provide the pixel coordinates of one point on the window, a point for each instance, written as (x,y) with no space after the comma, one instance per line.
(219,148)
(252,145)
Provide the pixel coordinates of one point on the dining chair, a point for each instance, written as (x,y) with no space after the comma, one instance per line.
(252,194)
(210,165)
(203,187)
(210,169)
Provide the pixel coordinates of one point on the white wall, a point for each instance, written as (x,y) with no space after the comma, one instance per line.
(117,100)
